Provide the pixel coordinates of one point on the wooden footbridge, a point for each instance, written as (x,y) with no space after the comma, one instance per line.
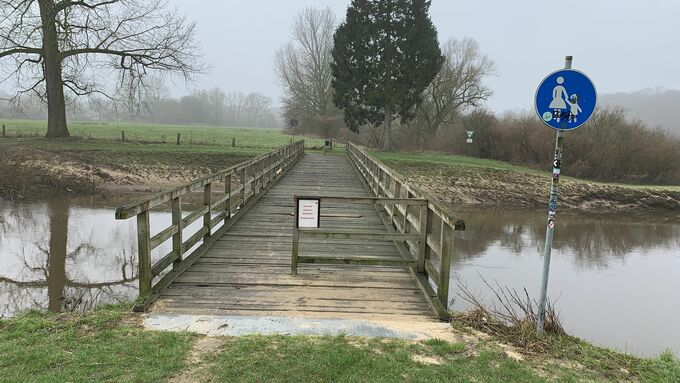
(382,251)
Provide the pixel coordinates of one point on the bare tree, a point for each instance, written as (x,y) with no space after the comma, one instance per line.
(303,65)
(247,109)
(61,50)
(458,85)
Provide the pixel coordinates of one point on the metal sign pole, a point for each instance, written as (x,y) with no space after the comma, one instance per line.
(552,211)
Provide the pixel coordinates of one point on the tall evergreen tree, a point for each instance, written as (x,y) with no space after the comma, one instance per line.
(385,54)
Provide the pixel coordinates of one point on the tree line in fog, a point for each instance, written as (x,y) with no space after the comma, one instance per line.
(204,107)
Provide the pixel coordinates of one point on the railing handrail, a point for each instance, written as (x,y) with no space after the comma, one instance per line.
(266,170)
(131,210)
(451,217)
(435,223)
(404,201)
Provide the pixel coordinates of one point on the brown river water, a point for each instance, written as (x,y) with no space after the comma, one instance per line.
(615,275)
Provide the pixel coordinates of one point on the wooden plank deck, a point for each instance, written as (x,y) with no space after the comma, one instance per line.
(247,271)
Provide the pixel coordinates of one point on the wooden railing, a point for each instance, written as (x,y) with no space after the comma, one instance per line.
(439,226)
(254,177)
(356,234)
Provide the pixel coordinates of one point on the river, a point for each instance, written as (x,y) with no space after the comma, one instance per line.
(615,275)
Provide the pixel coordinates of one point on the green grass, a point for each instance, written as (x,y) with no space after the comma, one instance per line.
(455,160)
(259,138)
(110,345)
(342,359)
(148,144)
(94,347)
(446,159)
(613,365)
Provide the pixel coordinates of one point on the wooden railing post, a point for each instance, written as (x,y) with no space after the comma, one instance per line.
(422,243)
(296,239)
(244,181)
(227,203)
(263,164)
(446,246)
(207,201)
(144,250)
(406,225)
(395,208)
(177,238)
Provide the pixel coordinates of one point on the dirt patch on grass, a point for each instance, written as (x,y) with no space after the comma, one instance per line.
(194,371)
(454,184)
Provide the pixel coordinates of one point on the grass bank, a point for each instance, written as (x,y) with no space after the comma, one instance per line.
(465,180)
(107,345)
(256,138)
(110,345)
(96,160)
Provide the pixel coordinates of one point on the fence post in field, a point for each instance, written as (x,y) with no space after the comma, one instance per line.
(233,142)
(3,130)
(122,135)
(178,138)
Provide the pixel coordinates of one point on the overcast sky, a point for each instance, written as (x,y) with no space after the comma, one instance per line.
(623,45)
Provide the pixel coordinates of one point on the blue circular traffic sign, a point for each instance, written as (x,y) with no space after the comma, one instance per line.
(565,99)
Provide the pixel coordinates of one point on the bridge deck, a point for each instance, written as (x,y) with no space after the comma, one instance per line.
(247,271)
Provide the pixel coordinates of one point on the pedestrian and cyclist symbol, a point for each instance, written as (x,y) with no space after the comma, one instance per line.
(565,99)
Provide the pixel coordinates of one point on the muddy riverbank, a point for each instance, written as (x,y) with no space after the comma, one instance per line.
(30,172)
(458,184)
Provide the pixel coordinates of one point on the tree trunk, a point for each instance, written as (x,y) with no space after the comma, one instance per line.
(56,104)
(387,129)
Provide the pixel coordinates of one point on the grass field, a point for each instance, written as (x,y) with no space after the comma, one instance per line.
(110,345)
(96,158)
(258,138)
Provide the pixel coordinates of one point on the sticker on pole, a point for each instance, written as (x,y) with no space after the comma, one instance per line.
(565,99)
(308,213)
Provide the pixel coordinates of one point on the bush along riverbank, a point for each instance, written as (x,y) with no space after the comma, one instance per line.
(111,345)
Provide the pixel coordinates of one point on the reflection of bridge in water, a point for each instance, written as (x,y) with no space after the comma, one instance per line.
(377,253)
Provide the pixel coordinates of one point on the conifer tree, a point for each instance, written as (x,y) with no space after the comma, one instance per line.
(385,54)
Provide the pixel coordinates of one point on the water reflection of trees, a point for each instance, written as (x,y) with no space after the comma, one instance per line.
(593,239)
(47,259)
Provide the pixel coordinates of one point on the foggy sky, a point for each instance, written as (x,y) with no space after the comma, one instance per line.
(623,45)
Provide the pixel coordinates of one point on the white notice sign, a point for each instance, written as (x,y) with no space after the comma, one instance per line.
(308,213)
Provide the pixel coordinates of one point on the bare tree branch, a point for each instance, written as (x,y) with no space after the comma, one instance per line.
(86,48)
(458,85)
